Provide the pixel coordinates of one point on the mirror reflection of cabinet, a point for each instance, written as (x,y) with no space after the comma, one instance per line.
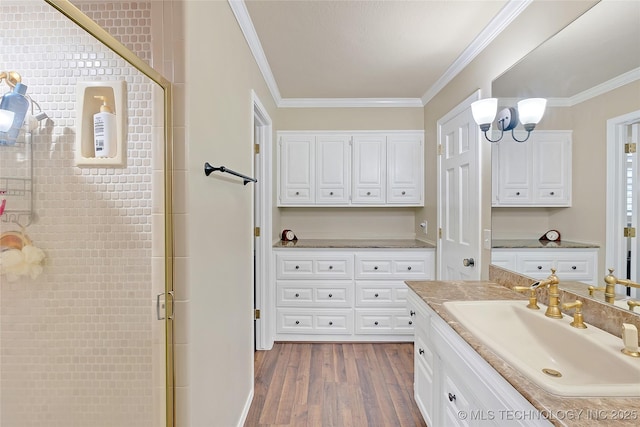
(16,183)
(534,173)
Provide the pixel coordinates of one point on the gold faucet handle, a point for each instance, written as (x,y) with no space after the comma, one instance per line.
(578,319)
(593,288)
(633,304)
(533,298)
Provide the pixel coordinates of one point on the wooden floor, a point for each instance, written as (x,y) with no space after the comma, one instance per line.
(334,384)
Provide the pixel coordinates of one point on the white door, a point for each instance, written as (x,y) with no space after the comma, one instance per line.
(459,192)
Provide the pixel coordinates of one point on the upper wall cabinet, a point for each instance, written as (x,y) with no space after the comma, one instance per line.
(364,168)
(534,173)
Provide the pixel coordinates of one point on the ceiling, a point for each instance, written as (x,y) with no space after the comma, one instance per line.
(383,50)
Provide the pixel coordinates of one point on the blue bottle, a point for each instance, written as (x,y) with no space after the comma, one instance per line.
(14,101)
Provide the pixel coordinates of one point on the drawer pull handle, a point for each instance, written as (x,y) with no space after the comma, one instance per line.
(331,267)
(412,313)
(539,267)
(421,351)
(452,397)
(409,268)
(330,323)
(573,267)
(375,268)
(297,295)
(376,295)
(297,322)
(330,295)
(410,322)
(297,267)
(375,323)
(404,192)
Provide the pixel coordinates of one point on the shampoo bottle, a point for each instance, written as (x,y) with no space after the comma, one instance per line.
(104,130)
(16,102)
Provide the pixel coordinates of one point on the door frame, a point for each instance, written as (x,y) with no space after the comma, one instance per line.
(262,271)
(462,106)
(616,243)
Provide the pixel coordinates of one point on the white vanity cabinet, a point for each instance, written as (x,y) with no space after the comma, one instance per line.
(347,294)
(363,168)
(533,173)
(571,264)
(454,385)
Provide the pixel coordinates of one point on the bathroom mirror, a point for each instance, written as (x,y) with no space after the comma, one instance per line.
(589,72)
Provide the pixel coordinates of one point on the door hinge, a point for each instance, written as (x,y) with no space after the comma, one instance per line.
(256,231)
(440,150)
(629,232)
(440,233)
(630,147)
(256,314)
(256,148)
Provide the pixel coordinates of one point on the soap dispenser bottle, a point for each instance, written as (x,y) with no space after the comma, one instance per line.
(104,130)
(17,102)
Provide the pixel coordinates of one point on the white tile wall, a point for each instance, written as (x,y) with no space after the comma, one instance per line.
(77,344)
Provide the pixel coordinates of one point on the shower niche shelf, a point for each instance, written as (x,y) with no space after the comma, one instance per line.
(16,183)
(115,94)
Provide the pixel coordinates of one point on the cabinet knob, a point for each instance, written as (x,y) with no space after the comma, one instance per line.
(331,193)
(375,323)
(409,268)
(412,313)
(404,192)
(297,295)
(552,193)
(468,262)
(517,193)
(330,295)
(452,397)
(368,193)
(331,267)
(410,322)
(421,351)
(330,323)
(376,295)
(539,267)
(375,268)
(297,267)
(297,193)
(297,322)
(573,267)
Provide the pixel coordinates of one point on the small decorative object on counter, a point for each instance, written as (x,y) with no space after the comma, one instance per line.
(550,236)
(288,236)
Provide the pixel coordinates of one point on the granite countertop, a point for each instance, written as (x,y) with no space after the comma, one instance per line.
(355,244)
(537,244)
(574,411)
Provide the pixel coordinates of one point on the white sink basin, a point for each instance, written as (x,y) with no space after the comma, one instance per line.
(589,360)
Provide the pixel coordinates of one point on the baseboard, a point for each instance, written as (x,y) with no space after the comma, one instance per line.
(245,410)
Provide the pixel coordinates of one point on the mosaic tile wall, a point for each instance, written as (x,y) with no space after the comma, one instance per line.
(76,342)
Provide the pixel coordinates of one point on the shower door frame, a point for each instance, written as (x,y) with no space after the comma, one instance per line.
(75,15)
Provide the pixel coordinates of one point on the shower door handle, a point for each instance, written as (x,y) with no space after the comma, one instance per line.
(158,315)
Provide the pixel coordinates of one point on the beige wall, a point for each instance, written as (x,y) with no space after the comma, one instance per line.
(585,220)
(537,23)
(347,222)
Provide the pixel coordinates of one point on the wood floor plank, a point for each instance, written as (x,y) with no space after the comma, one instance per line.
(334,384)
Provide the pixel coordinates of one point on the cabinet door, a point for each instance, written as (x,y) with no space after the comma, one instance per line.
(333,169)
(552,173)
(369,174)
(404,169)
(297,169)
(515,173)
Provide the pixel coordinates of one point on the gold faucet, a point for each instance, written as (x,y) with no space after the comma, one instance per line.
(633,304)
(610,287)
(553,309)
(533,298)
(578,319)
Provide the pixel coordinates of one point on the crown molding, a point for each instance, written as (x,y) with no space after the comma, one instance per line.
(246,25)
(506,15)
(350,102)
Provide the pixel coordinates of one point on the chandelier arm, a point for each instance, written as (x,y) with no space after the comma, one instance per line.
(513,135)
(491,140)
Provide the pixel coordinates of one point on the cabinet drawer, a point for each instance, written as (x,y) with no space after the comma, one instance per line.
(372,294)
(368,195)
(329,195)
(390,266)
(538,268)
(301,194)
(398,195)
(551,195)
(390,321)
(575,269)
(292,321)
(314,266)
(314,294)
(515,195)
